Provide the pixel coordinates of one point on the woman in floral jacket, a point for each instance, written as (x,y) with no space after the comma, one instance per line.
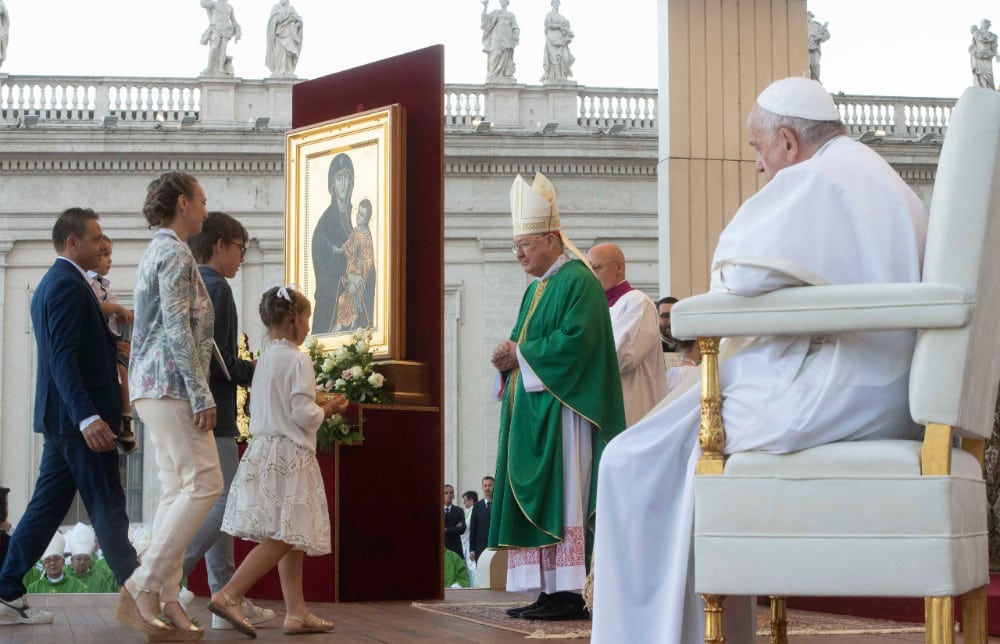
(168,380)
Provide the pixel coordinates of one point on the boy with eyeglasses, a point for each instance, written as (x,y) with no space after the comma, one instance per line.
(219,250)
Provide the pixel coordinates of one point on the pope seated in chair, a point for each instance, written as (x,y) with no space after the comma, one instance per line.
(833,212)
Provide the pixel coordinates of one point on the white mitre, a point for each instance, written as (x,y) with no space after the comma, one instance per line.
(81,540)
(534,210)
(57,546)
(799,97)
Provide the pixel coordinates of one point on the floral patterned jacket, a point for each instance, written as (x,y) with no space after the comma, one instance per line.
(174,325)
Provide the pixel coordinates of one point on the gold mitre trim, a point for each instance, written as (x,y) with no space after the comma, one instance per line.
(533,208)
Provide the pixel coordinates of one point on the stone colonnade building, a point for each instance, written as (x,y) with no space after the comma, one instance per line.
(97,142)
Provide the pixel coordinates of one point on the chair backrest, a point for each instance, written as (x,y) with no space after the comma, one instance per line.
(954,374)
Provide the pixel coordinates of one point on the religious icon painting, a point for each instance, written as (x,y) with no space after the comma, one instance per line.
(344,226)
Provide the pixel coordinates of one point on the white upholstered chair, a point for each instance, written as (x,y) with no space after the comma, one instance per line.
(491,570)
(871,518)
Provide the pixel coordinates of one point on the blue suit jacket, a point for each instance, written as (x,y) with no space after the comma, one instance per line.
(77,376)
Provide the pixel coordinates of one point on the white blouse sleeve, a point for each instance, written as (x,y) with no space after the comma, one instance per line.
(303,409)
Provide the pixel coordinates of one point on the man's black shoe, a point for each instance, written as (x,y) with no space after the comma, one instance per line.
(542,600)
(561,606)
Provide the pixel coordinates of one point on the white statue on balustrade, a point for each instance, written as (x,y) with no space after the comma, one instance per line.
(982,51)
(284,40)
(557,60)
(222,27)
(4,31)
(500,35)
(818,34)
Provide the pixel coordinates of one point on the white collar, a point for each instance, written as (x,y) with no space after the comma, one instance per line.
(74,265)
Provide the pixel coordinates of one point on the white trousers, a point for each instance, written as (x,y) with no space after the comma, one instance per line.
(190,482)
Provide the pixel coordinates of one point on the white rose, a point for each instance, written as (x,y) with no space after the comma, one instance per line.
(357,371)
(359,334)
(311,342)
(361,346)
(376,380)
(340,353)
(340,382)
(329,365)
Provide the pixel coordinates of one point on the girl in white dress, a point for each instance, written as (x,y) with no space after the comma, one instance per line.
(277,497)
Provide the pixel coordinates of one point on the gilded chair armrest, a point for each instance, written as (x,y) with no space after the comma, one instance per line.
(814,310)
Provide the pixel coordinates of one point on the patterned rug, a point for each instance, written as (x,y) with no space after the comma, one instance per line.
(800,622)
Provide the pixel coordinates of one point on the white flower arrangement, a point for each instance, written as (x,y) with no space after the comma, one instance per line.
(348,370)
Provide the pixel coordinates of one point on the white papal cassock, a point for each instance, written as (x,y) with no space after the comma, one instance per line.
(635,322)
(841,217)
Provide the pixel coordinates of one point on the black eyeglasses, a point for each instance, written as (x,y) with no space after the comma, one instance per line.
(242,247)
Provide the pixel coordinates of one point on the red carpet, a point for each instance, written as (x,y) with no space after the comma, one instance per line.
(907,609)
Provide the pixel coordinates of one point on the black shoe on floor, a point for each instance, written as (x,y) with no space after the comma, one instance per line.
(542,600)
(561,606)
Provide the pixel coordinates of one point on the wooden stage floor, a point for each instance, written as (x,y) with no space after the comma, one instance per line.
(91,618)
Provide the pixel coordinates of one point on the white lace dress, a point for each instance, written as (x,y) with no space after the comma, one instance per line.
(278,490)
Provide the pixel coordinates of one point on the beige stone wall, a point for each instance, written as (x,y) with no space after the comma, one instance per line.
(721,53)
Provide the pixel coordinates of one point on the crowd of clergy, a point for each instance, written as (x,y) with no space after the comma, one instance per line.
(72,563)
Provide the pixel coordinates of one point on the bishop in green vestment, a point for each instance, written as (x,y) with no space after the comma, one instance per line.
(561,402)
(53,580)
(94,574)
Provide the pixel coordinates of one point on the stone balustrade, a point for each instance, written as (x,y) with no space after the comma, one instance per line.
(512,107)
(86,98)
(89,99)
(894,116)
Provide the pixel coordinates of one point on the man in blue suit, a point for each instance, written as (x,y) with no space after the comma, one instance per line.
(77,409)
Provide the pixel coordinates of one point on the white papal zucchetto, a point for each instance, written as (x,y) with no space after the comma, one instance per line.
(799,97)
(533,208)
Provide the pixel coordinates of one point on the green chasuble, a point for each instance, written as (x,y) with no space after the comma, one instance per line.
(563,332)
(65,585)
(96,580)
(34,574)
(455,571)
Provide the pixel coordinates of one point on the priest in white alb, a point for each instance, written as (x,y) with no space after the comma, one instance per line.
(636,326)
(561,402)
(833,212)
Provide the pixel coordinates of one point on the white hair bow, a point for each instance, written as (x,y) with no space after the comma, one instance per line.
(283,291)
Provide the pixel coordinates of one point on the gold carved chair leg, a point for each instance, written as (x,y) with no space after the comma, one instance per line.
(974,620)
(939,620)
(711,438)
(779,621)
(713,619)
